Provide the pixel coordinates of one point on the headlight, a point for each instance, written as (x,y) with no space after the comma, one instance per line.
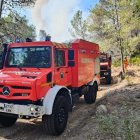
(32,109)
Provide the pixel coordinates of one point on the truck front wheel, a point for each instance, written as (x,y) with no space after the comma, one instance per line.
(7,121)
(108,80)
(55,123)
(90,96)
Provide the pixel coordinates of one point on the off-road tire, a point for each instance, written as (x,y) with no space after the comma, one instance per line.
(90,96)
(55,123)
(108,80)
(7,121)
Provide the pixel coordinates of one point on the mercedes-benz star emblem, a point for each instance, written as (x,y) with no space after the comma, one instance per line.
(6,91)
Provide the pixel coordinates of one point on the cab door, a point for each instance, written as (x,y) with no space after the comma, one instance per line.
(62,72)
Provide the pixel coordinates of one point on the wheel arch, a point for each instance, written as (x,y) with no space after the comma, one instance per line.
(51,96)
(66,93)
(95,83)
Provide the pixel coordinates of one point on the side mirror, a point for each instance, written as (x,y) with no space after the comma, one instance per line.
(5,46)
(1,60)
(49,77)
(3,54)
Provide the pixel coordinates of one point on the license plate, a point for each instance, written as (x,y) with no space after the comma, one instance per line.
(8,108)
(4,107)
(1,106)
(106,73)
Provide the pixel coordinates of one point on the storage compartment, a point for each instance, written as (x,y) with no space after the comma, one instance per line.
(85,54)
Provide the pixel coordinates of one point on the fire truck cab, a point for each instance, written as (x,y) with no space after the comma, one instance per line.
(45,79)
(105,67)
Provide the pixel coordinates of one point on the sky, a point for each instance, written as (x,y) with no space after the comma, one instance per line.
(54,16)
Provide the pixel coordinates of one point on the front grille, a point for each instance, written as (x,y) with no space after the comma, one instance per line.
(17,90)
(17,94)
(20,87)
(103,67)
(21,94)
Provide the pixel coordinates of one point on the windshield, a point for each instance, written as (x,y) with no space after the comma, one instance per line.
(39,57)
(103,58)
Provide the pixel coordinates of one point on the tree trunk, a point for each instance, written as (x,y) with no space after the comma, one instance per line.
(1,7)
(118,28)
(122,57)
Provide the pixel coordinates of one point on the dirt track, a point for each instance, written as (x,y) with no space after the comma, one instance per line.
(79,120)
(32,129)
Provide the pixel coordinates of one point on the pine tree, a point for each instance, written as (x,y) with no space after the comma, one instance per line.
(79,26)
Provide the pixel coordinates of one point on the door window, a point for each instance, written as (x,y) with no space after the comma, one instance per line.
(60,58)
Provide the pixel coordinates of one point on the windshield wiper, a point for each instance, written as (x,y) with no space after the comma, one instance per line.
(31,66)
(38,68)
(17,66)
(20,68)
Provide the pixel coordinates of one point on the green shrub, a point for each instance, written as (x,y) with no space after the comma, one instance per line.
(132,61)
(129,129)
(116,63)
(135,60)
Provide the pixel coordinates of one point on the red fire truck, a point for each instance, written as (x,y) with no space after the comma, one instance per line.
(105,67)
(45,79)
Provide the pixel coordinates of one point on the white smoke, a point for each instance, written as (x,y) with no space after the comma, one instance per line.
(37,14)
(54,16)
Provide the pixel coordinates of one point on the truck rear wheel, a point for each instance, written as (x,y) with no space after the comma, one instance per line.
(55,123)
(90,96)
(7,121)
(108,80)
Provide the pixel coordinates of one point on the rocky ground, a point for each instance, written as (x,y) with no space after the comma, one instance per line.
(114,116)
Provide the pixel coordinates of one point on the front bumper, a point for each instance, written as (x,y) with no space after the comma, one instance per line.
(22,110)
